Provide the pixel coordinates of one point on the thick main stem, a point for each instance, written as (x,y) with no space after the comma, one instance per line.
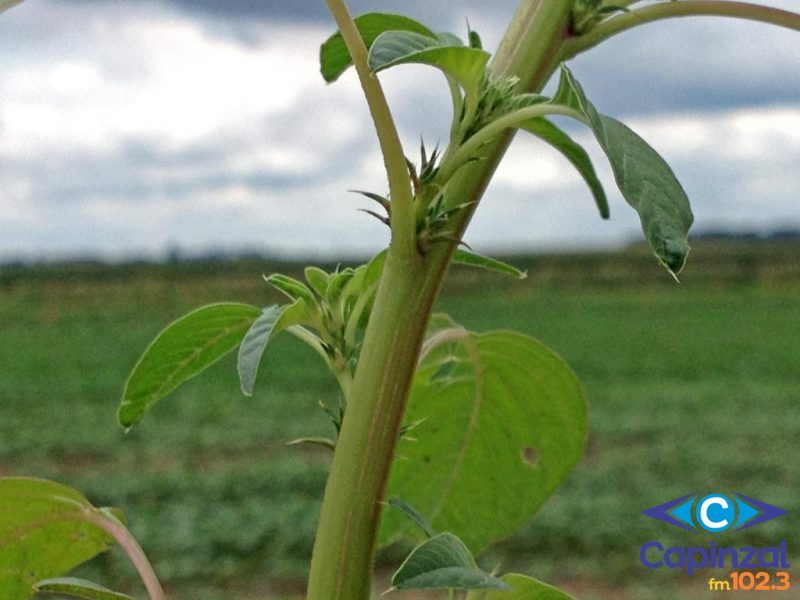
(342,563)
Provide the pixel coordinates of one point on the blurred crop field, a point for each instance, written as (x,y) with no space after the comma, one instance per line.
(692,387)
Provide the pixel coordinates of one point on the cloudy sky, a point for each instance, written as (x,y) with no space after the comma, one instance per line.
(129,128)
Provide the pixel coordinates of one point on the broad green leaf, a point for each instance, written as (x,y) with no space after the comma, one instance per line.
(253,345)
(44,532)
(504,423)
(646,181)
(522,588)
(182,350)
(77,588)
(574,153)
(464,64)
(464,257)
(440,563)
(334,58)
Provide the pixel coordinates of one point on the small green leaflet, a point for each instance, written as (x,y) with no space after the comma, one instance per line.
(440,563)
(77,588)
(504,422)
(317,279)
(182,350)
(644,178)
(464,64)
(291,288)
(45,531)
(464,257)
(574,153)
(253,345)
(412,514)
(522,588)
(334,58)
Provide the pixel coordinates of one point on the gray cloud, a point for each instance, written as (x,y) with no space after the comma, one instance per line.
(131,127)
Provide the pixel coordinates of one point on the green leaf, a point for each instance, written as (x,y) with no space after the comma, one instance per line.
(337,282)
(412,514)
(574,153)
(334,58)
(78,588)
(253,345)
(291,288)
(317,279)
(522,588)
(504,423)
(464,64)
(644,178)
(182,350)
(44,532)
(440,563)
(464,257)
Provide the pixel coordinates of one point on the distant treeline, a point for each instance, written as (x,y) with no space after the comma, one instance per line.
(716,256)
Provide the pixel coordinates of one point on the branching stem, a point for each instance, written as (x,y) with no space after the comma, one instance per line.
(485,135)
(402,218)
(684,8)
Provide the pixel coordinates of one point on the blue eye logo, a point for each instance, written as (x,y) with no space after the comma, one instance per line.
(714,512)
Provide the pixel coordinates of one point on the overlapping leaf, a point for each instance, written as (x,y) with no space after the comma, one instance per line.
(574,153)
(464,64)
(182,350)
(464,257)
(334,57)
(44,532)
(522,588)
(644,178)
(273,319)
(504,421)
(440,563)
(77,588)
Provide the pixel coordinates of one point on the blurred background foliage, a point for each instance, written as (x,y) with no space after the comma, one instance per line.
(691,387)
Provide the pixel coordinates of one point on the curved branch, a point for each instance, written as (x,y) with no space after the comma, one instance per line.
(687,8)
(132,548)
(403,220)
(509,121)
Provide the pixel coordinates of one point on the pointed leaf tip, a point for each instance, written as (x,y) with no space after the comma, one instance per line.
(181,351)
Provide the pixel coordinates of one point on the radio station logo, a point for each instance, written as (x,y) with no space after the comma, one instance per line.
(714,512)
(719,514)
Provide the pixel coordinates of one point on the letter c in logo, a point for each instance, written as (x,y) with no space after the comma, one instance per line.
(715,513)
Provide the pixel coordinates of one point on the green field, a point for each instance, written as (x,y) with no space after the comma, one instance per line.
(691,387)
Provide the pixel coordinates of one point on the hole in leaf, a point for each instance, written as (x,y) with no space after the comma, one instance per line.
(530,456)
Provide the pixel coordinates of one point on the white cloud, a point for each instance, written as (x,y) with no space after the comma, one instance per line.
(127,127)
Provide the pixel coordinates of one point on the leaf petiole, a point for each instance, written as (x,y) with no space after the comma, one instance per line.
(671,9)
(473,144)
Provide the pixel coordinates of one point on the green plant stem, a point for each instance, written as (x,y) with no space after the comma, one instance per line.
(134,551)
(473,144)
(342,562)
(685,8)
(6,4)
(402,215)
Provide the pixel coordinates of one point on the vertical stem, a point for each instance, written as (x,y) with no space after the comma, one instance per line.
(402,216)
(341,566)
